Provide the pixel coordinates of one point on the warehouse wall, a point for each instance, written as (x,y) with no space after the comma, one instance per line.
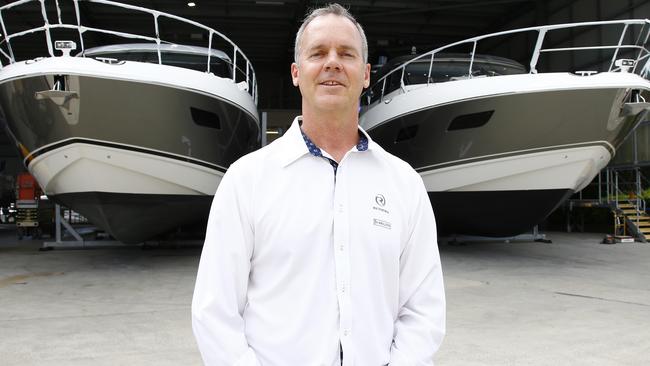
(563,11)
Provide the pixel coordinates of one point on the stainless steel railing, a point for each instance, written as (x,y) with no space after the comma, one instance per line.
(239,74)
(641,65)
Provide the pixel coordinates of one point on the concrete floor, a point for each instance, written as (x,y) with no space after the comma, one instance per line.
(573,302)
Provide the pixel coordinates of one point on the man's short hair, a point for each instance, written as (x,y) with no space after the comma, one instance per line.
(334,9)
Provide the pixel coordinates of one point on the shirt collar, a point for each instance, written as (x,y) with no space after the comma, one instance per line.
(362,145)
(295,146)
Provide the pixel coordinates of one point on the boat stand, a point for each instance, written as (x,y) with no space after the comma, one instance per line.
(535,236)
(78,242)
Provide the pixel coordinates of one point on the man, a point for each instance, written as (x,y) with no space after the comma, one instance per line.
(321,247)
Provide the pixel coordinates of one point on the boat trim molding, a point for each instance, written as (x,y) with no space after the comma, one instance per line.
(76,140)
(604,144)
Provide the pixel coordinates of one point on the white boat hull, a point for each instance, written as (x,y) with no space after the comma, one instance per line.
(84,167)
(570,168)
(139,149)
(499,154)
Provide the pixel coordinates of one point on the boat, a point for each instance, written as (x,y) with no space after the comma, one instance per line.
(134,135)
(501,143)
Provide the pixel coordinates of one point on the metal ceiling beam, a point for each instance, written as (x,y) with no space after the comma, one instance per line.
(439,8)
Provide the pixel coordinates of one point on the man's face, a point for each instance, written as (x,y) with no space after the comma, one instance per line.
(330,72)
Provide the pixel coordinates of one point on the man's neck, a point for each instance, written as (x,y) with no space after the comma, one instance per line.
(333,133)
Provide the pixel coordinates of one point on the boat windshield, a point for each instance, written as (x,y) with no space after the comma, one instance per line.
(446,67)
(192,61)
(448,70)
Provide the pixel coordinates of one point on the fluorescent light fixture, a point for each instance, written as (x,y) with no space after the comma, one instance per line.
(191,4)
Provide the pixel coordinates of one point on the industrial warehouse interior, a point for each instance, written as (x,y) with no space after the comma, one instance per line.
(527,121)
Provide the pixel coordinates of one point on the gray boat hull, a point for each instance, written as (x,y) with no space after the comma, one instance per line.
(477,156)
(173,127)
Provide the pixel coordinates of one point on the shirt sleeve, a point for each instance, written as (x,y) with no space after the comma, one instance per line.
(420,325)
(222,280)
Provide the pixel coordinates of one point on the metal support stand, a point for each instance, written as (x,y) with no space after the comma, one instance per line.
(61,221)
(568,217)
(264,127)
(535,236)
(78,242)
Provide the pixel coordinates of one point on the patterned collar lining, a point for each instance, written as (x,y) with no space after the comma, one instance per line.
(362,145)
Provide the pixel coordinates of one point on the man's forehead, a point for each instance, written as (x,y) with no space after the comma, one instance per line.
(320,44)
(320,29)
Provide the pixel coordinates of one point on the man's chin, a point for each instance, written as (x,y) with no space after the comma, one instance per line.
(331,102)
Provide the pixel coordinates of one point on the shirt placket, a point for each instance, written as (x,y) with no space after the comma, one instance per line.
(342,263)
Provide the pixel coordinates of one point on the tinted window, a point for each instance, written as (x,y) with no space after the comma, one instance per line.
(218,66)
(416,73)
(471,120)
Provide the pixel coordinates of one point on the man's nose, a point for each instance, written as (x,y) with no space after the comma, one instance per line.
(333,61)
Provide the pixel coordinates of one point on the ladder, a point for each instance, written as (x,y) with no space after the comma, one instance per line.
(636,219)
(624,198)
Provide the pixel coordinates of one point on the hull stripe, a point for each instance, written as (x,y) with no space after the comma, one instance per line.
(67,142)
(604,144)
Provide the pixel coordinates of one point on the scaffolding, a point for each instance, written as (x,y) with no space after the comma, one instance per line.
(623,187)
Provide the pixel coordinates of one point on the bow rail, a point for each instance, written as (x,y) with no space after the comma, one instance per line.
(245,73)
(387,83)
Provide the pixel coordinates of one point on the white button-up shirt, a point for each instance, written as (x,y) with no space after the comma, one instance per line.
(298,265)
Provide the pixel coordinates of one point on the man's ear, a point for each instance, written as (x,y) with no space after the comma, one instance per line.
(366,76)
(294,74)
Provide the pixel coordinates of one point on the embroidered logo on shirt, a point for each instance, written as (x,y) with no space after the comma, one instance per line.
(381,200)
(381,203)
(381,223)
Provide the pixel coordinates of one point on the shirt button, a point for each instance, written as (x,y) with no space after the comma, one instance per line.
(342,247)
(346,332)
